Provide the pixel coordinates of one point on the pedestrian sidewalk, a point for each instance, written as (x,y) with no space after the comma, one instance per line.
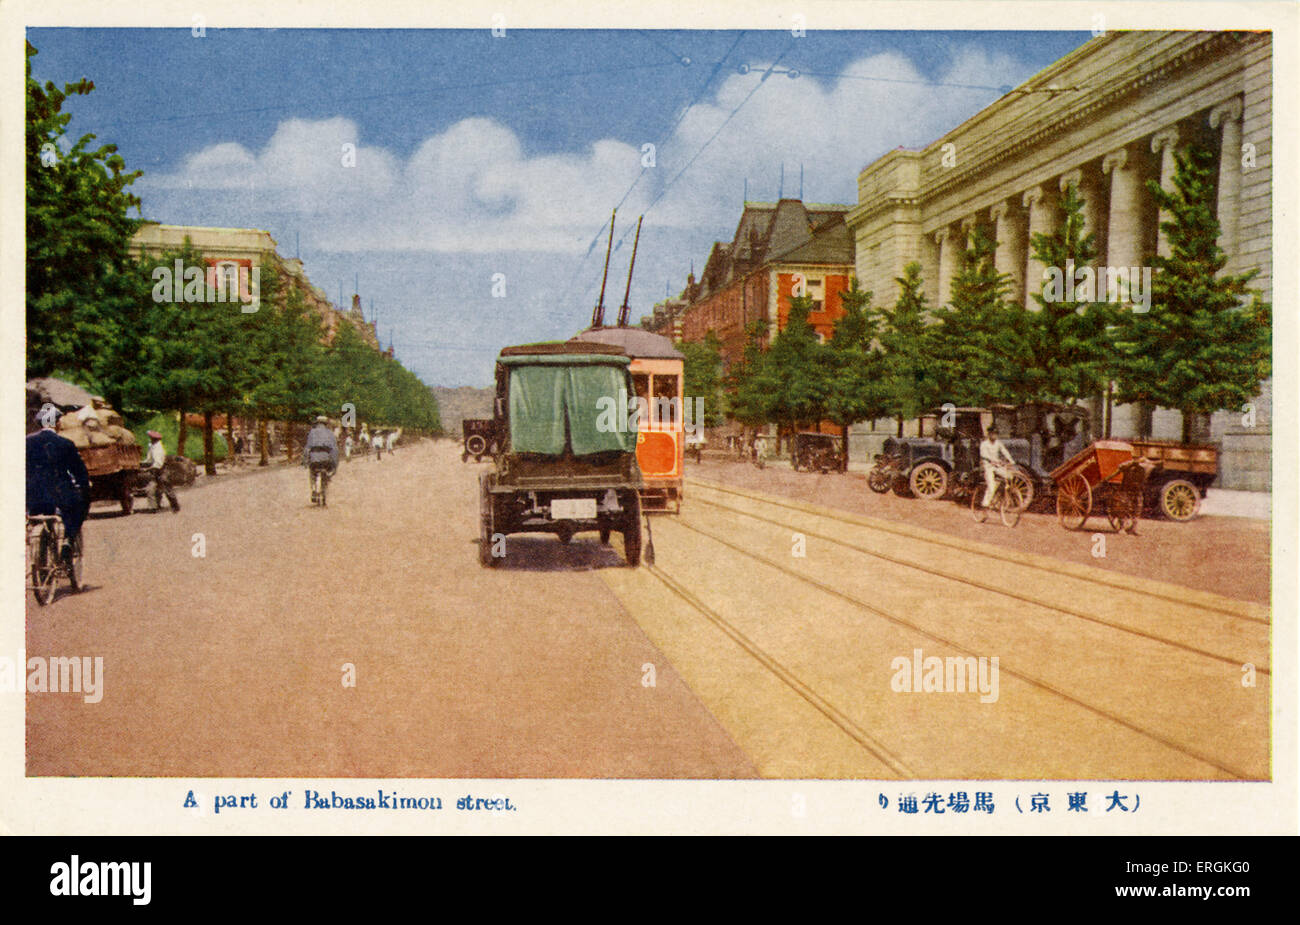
(1225,503)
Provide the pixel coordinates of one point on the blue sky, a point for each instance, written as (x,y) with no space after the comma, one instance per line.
(477,156)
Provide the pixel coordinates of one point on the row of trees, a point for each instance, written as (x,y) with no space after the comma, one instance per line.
(93,315)
(1204,343)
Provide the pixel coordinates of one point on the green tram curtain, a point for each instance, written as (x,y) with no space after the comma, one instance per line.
(587,395)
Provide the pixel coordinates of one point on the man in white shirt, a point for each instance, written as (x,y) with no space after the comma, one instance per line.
(154,461)
(992,453)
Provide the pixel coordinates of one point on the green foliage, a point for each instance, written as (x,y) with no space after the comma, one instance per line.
(179,350)
(853,363)
(1072,356)
(907,367)
(796,371)
(168,425)
(1206,343)
(702,376)
(748,383)
(381,390)
(980,350)
(80,278)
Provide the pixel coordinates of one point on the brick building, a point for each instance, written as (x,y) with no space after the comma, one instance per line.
(777,247)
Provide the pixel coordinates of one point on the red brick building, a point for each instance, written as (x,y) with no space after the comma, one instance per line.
(777,248)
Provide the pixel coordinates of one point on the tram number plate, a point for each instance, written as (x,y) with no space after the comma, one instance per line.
(573,509)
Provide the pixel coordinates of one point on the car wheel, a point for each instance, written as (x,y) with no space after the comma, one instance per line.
(929,481)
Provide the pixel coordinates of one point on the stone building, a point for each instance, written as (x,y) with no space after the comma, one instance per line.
(777,247)
(1105,118)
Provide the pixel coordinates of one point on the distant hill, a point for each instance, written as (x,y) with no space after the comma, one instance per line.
(454,405)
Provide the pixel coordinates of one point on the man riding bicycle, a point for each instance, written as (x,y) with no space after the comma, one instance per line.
(321,453)
(992,452)
(57,480)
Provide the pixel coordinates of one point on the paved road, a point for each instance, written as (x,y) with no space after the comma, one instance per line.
(231,664)
(774,628)
(789,619)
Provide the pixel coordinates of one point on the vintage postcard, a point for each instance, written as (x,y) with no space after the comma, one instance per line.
(832,417)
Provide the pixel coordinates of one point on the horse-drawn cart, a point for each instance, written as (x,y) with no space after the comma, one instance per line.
(1110,473)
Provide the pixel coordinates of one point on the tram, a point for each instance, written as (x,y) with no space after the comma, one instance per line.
(656,369)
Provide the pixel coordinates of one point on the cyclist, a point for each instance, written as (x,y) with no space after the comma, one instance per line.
(57,481)
(992,452)
(321,452)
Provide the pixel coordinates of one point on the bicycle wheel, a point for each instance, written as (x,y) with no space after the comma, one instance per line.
(45,567)
(977,509)
(1011,504)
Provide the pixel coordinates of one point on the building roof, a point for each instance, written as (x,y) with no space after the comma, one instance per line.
(790,231)
(636,342)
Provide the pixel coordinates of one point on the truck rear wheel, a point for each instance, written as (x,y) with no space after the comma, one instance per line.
(486,527)
(632,530)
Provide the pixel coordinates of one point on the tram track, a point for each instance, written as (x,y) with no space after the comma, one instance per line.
(863,522)
(840,718)
(846,725)
(990,587)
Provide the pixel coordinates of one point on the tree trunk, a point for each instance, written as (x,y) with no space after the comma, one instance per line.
(262,440)
(289,431)
(844,457)
(209,456)
(1145,413)
(182,435)
(900,425)
(230,438)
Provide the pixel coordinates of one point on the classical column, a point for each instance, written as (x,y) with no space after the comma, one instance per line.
(1229,116)
(1040,210)
(948,246)
(1124,228)
(1087,189)
(1164,143)
(1010,255)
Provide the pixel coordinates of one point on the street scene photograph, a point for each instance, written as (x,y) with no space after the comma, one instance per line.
(612,404)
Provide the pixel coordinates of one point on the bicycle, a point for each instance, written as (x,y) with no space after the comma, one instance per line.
(45,564)
(1006,498)
(320,480)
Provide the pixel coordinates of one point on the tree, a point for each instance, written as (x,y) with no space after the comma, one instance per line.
(1206,342)
(907,367)
(748,382)
(980,351)
(287,378)
(797,379)
(80,276)
(853,365)
(1072,354)
(182,348)
(702,377)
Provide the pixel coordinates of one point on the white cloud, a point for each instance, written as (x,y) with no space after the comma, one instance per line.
(472,189)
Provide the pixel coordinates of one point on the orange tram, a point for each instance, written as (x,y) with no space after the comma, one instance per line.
(657,376)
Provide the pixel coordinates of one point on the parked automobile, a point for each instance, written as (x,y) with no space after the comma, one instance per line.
(816,452)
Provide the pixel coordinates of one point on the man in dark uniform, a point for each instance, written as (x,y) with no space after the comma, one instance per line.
(57,481)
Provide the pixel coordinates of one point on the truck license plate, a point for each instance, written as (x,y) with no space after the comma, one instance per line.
(573,509)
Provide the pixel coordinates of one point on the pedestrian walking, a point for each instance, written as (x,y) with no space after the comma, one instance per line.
(388,441)
(347,447)
(377,443)
(155,461)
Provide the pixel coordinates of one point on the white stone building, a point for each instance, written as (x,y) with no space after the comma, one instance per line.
(1104,118)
